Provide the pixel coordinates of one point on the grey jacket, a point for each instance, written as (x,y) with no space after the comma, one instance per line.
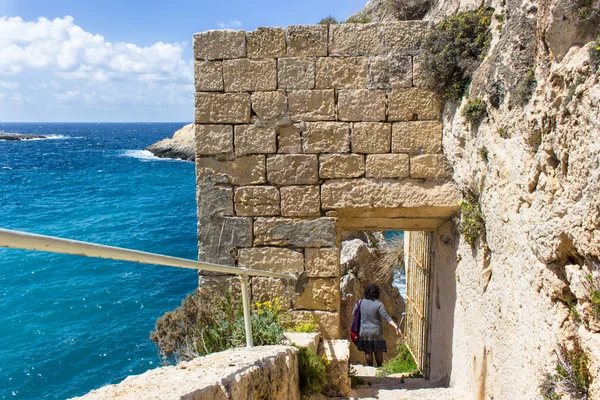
(372,314)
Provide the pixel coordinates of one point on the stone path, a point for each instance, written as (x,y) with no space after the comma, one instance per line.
(397,387)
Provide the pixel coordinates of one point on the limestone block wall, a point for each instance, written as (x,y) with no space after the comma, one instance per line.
(296,126)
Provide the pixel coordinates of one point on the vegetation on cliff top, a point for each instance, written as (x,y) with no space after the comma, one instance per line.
(454,48)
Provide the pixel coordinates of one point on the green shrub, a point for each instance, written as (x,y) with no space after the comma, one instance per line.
(290,325)
(595,54)
(474,110)
(503,133)
(584,10)
(408,10)
(453,50)
(571,375)
(500,19)
(205,324)
(357,19)
(483,153)
(402,363)
(472,224)
(329,20)
(525,90)
(311,371)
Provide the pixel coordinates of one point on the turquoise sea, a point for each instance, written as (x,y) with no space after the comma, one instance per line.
(71,324)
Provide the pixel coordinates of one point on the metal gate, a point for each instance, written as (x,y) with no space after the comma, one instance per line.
(418,283)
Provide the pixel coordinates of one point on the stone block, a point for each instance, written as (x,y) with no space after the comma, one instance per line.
(257,201)
(337,353)
(375,193)
(274,259)
(371,137)
(251,139)
(322,263)
(404,37)
(296,73)
(214,139)
(312,105)
(220,237)
(356,40)
(292,169)
(269,289)
(300,201)
(309,340)
(270,107)
(387,166)
(266,43)
(222,108)
(417,137)
(216,45)
(420,79)
(248,170)
(289,139)
(307,40)
(341,72)
(430,166)
(208,76)
(361,105)
(319,232)
(333,166)
(320,294)
(220,285)
(414,104)
(213,200)
(326,137)
(245,75)
(328,323)
(390,71)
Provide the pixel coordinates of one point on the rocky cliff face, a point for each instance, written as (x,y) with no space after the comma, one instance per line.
(181,146)
(523,290)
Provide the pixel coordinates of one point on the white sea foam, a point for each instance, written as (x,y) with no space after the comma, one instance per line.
(146,155)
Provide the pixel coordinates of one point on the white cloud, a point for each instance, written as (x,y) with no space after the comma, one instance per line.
(9,85)
(231,24)
(87,68)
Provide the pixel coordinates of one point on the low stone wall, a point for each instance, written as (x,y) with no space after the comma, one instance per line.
(267,372)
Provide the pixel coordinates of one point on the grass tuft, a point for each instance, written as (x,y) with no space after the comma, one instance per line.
(402,363)
(472,224)
(525,89)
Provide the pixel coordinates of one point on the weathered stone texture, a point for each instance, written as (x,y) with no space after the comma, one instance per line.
(328,323)
(338,72)
(289,139)
(307,40)
(249,75)
(219,285)
(333,166)
(391,71)
(296,73)
(292,169)
(248,170)
(213,200)
(387,166)
(256,200)
(225,44)
(251,139)
(234,232)
(312,105)
(222,108)
(417,137)
(404,37)
(319,294)
(208,76)
(269,372)
(275,259)
(369,193)
(269,289)
(414,104)
(214,139)
(300,201)
(322,263)
(318,232)
(266,43)
(420,79)
(326,137)
(337,353)
(355,40)
(430,166)
(371,137)
(361,105)
(270,107)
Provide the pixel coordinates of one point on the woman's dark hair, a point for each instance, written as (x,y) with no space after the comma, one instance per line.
(371,292)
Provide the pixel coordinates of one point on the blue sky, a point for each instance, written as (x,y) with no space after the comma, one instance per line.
(127,60)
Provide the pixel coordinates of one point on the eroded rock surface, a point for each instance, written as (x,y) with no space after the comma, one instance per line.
(181,146)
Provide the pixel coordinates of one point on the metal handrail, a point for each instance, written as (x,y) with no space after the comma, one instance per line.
(30,241)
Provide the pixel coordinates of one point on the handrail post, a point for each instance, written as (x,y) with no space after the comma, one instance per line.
(246,305)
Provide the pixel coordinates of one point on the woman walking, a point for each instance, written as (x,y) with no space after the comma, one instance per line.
(372,314)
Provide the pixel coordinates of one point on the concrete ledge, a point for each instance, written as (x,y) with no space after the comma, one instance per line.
(267,372)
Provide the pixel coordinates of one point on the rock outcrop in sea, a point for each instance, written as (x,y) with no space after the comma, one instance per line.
(181,146)
(18,136)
